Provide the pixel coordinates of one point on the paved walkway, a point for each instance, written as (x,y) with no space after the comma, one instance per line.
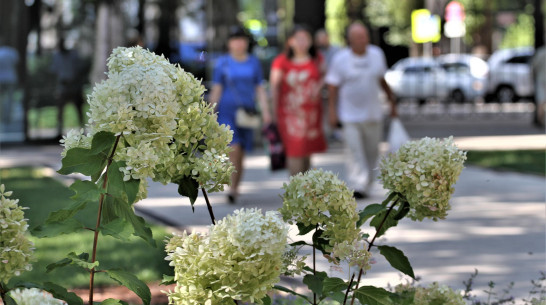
(497,223)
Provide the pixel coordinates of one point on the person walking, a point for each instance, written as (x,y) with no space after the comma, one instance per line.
(68,68)
(354,81)
(238,82)
(296,79)
(9,58)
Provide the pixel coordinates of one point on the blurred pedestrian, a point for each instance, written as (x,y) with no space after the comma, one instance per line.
(322,42)
(538,66)
(67,66)
(238,82)
(9,58)
(296,80)
(354,80)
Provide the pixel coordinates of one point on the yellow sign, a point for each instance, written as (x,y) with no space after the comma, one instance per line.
(425,27)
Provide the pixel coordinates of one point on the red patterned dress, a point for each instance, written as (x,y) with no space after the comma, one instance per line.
(299,108)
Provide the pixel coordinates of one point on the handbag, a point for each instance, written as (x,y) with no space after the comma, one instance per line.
(398,135)
(277,155)
(247,118)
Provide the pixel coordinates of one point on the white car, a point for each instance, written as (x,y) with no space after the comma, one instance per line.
(454,78)
(418,78)
(510,75)
(466,77)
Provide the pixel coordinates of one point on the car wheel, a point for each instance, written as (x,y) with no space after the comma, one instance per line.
(457,96)
(506,94)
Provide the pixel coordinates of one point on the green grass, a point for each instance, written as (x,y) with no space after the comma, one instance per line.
(44,194)
(522,161)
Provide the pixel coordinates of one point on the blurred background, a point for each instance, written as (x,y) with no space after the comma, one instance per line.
(445,57)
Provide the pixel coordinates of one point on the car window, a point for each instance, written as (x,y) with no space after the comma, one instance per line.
(522,59)
(417,69)
(456,67)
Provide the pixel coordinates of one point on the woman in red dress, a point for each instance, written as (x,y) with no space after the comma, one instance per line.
(296,80)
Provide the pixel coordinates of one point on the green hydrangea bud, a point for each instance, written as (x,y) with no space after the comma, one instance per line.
(433,294)
(15,249)
(320,198)
(424,172)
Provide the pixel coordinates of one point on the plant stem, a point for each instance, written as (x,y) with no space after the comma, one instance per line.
(96,237)
(209,206)
(348,289)
(3,292)
(314,267)
(371,244)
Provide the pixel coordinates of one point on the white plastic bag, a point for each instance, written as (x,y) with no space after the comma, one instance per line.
(397,135)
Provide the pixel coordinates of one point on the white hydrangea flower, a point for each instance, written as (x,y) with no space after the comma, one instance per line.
(75,138)
(15,249)
(320,198)
(241,258)
(34,296)
(169,131)
(424,172)
(355,254)
(433,294)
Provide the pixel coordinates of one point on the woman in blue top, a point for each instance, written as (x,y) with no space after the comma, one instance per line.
(238,82)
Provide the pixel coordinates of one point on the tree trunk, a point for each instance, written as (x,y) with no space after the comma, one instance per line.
(310,13)
(539,23)
(108,35)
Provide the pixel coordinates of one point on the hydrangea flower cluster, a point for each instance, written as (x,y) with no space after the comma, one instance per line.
(424,172)
(33,296)
(169,131)
(433,294)
(320,198)
(293,264)
(355,254)
(240,258)
(15,249)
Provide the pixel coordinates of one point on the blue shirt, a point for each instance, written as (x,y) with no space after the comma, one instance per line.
(239,80)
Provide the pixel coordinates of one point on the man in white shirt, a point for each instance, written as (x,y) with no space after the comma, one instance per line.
(354,79)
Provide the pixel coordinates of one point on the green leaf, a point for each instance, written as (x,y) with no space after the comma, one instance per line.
(118,228)
(80,160)
(333,284)
(119,188)
(397,259)
(66,213)
(402,211)
(102,142)
(188,187)
(314,283)
(9,300)
(61,293)
(378,219)
(68,226)
(284,289)
(371,295)
(338,296)
(300,243)
(90,162)
(368,212)
(167,280)
(73,259)
(133,283)
(320,242)
(303,229)
(266,300)
(114,208)
(113,302)
(85,191)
